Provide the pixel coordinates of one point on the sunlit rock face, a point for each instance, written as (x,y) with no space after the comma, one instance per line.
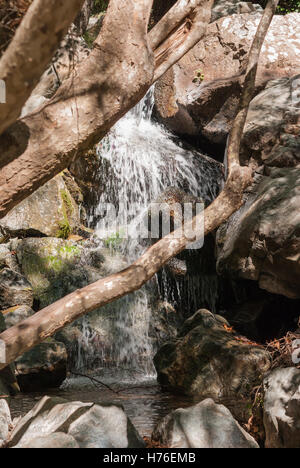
(50,211)
(87,425)
(189,105)
(282,408)
(205,425)
(209,360)
(272,130)
(261,241)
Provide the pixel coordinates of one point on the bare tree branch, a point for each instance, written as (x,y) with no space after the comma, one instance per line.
(110,81)
(31,50)
(234,141)
(177,15)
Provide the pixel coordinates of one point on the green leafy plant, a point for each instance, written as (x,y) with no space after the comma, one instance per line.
(284,7)
(199,77)
(67,210)
(114,240)
(65,252)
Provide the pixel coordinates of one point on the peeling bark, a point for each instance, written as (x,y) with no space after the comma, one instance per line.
(28,55)
(115,76)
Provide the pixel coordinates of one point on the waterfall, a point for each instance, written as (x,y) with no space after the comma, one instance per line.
(138,160)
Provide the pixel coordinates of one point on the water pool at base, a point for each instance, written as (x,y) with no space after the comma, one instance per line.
(144,403)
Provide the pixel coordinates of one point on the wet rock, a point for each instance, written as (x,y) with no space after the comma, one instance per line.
(49,211)
(191,106)
(165,323)
(272,131)
(44,366)
(16,314)
(209,360)
(205,425)
(261,241)
(92,426)
(5,421)
(14,289)
(57,440)
(56,267)
(282,408)
(49,415)
(232,7)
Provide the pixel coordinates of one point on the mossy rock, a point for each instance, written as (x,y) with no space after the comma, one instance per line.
(210,360)
(50,211)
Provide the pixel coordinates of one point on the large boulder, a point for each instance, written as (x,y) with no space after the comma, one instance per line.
(5,421)
(201,92)
(57,440)
(272,130)
(205,425)
(44,366)
(49,211)
(282,408)
(261,242)
(223,8)
(56,267)
(209,360)
(90,425)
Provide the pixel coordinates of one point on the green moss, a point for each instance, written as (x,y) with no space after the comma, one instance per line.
(64,230)
(50,269)
(67,209)
(114,240)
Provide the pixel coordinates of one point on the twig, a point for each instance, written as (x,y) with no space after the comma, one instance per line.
(93,379)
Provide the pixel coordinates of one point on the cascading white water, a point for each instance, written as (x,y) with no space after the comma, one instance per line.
(143,160)
(139,159)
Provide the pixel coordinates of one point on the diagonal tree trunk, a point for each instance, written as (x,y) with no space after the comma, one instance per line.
(28,55)
(46,322)
(115,76)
